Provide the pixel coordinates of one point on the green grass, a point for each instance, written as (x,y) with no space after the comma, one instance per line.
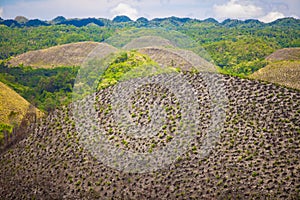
(128,65)
(3,128)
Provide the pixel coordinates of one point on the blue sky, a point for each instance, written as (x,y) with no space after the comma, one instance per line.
(264,10)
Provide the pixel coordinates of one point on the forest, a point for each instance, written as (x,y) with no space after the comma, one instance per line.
(44,88)
(100,112)
(236,47)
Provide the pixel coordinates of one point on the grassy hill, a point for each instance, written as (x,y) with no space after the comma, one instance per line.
(62,55)
(283,68)
(285,54)
(236,46)
(13,109)
(147,41)
(285,73)
(251,158)
(181,59)
(245,132)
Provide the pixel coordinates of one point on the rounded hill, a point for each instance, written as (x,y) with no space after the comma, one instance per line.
(285,54)
(283,68)
(251,158)
(13,107)
(15,115)
(63,55)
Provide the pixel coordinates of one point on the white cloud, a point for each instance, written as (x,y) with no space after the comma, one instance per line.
(48,9)
(125,9)
(237,10)
(271,16)
(219,9)
(1,11)
(295,16)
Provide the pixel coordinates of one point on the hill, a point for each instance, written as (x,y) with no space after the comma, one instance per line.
(285,54)
(14,110)
(285,73)
(283,68)
(250,158)
(62,55)
(13,106)
(148,41)
(181,59)
(239,47)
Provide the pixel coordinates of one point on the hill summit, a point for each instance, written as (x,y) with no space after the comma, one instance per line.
(283,68)
(62,55)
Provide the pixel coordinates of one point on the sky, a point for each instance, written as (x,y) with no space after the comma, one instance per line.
(263,10)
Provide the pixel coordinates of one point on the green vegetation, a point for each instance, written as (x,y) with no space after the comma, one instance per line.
(252,154)
(13,107)
(3,128)
(241,47)
(243,56)
(129,65)
(44,88)
(51,88)
(238,47)
(15,41)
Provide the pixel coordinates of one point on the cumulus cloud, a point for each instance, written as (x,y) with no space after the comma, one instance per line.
(125,9)
(271,16)
(237,10)
(219,9)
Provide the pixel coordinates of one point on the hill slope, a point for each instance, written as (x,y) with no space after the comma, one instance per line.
(253,158)
(285,73)
(284,68)
(63,55)
(13,107)
(182,59)
(14,110)
(285,54)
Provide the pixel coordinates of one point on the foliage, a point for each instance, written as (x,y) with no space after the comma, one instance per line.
(15,41)
(122,18)
(4,127)
(44,88)
(237,47)
(228,54)
(81,22)
(231,44)
(128,65)
(247,67)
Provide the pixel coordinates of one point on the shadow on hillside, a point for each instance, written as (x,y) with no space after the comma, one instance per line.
(20,131)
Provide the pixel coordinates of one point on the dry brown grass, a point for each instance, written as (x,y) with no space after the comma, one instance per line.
(183,59)
(285,73)
(285,54)
(13,107)
(148,41)
(62,55)
(284,68)
(166,58)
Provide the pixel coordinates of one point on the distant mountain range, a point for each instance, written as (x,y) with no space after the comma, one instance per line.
(21,21)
